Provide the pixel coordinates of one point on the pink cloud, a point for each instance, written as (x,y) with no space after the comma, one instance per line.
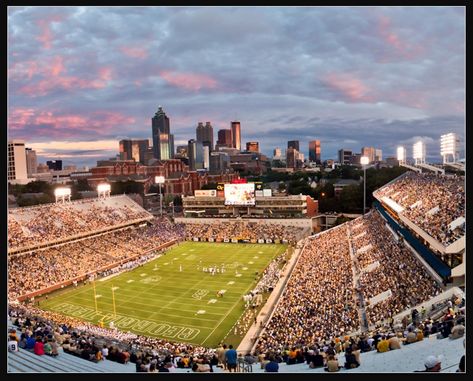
(134,52)
(57,82)
(46,34)
(188,81)
(100,122)
(404,49)
(351,87)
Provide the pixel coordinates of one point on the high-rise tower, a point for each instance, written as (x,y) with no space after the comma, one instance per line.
(161,138)
(236,135)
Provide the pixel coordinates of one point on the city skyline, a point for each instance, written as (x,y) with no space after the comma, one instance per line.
(77,87)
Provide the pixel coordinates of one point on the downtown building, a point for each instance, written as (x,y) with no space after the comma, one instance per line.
(236,135)
(163,140)
(134,149)
(205,135)
(314,151)
(17,172)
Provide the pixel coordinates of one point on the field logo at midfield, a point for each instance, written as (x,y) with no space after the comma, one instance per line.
(199,294)
(151,279)
(128,323)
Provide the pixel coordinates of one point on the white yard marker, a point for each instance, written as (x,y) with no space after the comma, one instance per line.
(200,312)
(255,257)
(244,268)
(211,301)
(231,282)
(250,262)
(130,281)
(115,288)
(98,296)
(260,252)
(167,263)
(238,275)
(143,274)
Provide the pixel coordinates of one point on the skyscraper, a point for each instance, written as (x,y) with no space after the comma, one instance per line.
(133,149)
(205,134)
(277,153)
(293,144)
(252,146)
(291,157)
(195,153)
(344,156)
(31,162)
(161,138)
(236,135)
(224,138)
(54,165)
(370,152)
(314,151)
(17,171)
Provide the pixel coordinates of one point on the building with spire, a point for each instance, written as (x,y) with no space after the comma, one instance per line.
(162,149)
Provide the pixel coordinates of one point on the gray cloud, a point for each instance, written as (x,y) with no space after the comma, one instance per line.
(349,76)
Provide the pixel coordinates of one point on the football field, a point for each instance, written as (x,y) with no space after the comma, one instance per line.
(171,297)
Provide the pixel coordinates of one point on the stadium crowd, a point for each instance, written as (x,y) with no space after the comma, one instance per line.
(318,302)
(421,194)
(45,223)
(44,268)
(244,230)
(395,269)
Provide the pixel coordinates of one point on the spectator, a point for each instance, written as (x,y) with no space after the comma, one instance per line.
(432,364)
(271,366)
(231,358)
(39,347)
(332,364)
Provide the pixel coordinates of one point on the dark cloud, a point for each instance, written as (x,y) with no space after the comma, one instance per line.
(349,76)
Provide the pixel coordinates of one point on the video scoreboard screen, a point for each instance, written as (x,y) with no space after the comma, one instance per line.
(240,194)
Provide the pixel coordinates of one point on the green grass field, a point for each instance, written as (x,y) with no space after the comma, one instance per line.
(159,300)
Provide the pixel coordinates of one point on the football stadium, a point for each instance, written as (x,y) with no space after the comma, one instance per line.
(102,285)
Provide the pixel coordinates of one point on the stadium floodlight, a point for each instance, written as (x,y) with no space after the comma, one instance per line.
(419,152)
(103,190)
(160,180)
(62,194)
(448,147)
(364,161)
(401,154)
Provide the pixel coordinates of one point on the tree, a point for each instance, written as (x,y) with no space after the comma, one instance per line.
(351,199)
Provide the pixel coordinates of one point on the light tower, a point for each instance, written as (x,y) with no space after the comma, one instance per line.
(401,155)
(419,152)
(160,180)
(103,190)
(62,194)
(449,147)
(364,161)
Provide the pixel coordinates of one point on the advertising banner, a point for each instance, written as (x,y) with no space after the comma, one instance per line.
(234,240)
(269,241)
(205,193)
(261,240)
(211,240)
(226,240)
(196,239)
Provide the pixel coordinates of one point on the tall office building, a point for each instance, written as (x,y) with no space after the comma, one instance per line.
(219,161)
(195,154)
(252,146)
(206,157)
(161,138)
(378,155)
(133,149)
(277,153)
(171,146)
(224,138)
(370,152)
(31,162)
(17,171)
(54,165)
(205,134)
(293,144)
(181,151)
(236,135)
(344,156)
(314,151)
(291,157)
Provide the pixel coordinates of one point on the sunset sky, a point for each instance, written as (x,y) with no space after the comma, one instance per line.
(81,78)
